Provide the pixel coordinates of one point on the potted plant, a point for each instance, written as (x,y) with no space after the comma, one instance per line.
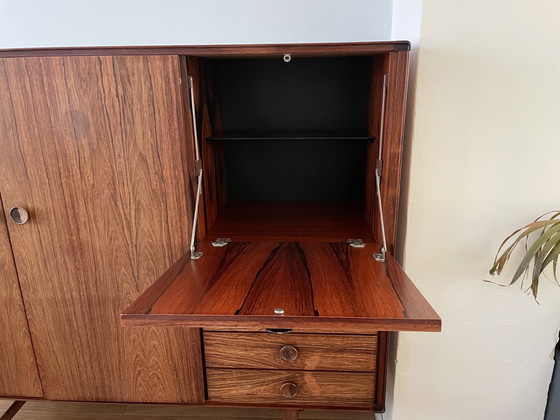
(543,251)
(541,240)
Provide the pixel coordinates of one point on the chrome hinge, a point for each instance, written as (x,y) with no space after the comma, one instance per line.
(356,243)
(195,255)
(198,172)
(378,171)
(221,242)
(197,167)
(379,166)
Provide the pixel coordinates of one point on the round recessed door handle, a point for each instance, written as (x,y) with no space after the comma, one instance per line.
(19,215)
(289,390)
(288,353)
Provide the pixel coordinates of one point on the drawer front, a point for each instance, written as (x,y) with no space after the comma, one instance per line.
(296,388)
(355,353)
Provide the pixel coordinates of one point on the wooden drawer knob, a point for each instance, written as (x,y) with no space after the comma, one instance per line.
(288,353)
(289,390)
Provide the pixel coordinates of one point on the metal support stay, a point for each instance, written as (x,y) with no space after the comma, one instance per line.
(378,170)
(198,172)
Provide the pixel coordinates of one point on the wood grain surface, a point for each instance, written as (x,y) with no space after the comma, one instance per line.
(54,410)
(332,352)
(327,389)
(396,67)
(18,367)
(245,50)
(319,285)
(290,415)
(291,221)
(94,148)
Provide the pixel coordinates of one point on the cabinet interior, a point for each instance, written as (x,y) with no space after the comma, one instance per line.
(288,147)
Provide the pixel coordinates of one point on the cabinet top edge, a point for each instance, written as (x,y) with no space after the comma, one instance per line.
(241,50)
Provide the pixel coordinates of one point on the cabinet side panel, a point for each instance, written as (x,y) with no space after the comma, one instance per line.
(18,368)
(95,150)
(395,107)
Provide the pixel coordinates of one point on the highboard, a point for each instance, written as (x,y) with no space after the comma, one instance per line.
(209,225)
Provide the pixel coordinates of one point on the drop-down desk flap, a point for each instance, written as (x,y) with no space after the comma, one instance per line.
(320,286)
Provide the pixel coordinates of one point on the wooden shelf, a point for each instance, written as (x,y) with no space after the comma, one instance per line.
(291,221)
(321,287)
(367,139)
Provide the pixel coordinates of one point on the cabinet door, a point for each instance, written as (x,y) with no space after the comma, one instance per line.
(18,369)
(94,149)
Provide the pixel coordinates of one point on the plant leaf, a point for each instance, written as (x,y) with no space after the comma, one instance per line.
(541,256)
(533,250)
(501,260)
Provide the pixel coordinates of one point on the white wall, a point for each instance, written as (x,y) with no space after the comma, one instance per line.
(54,23)
(485,158)
(406,24)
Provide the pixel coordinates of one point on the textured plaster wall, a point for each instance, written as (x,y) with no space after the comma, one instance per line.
(484,158)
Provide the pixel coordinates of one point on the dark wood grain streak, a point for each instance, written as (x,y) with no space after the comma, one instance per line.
(226,288)
(310,49)
(217,286)
(349,281)
(92,146)
(283,282)
(334,389)
(332,352)
(12,410)
(18,368)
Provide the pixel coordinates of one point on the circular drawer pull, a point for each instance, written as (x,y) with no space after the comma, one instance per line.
(289,390)
(288,353)
(19,215)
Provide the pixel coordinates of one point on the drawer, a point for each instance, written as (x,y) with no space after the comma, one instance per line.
(297,388)
(355,353)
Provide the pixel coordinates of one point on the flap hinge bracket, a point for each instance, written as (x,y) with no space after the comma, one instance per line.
(356,243)
(221,242)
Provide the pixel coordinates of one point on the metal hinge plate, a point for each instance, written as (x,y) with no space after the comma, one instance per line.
(356,243)
(221,242)
(197,167)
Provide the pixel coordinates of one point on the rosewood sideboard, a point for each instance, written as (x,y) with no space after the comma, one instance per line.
(207,225)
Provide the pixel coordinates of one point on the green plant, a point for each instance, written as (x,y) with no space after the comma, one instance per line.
(543,250)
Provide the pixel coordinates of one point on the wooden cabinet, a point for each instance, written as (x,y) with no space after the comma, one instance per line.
(106,149)
(94,149)
(293,228)
(18,368)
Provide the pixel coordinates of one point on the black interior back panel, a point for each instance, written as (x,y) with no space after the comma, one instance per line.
(307,97)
